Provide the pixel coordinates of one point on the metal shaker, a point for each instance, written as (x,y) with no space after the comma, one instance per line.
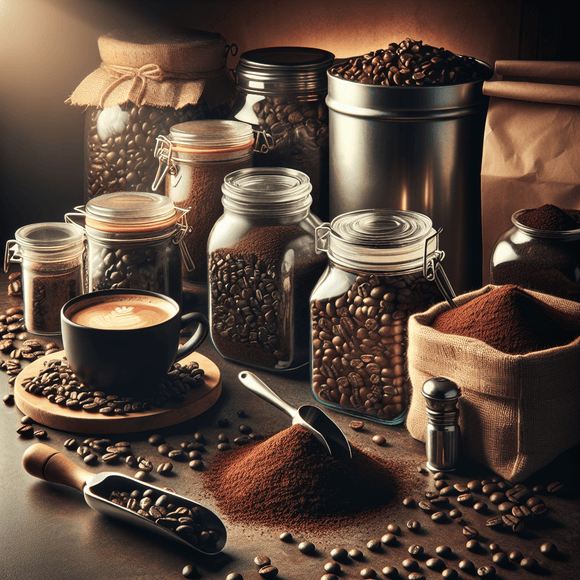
(442,442)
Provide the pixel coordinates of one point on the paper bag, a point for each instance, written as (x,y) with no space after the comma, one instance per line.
(531,150)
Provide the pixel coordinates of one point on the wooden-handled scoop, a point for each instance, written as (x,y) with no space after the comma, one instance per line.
(47,463)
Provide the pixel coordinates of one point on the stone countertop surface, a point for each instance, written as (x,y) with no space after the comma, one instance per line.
(48,531)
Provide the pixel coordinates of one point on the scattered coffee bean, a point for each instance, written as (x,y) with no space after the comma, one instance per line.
(242,440)
(355,554)
(501,559)
(26,420)
(555,487)
(190,571)
(41,434)
(416,576)
(26,431)
(414,525)
(390,572)
(110,457)
(439,475)
(474,486)
(515,556)
(71,444)
(286,537)
(415,550)
(241,414)
(538,489)
(234,576)
(480,507)
(490,488)
(368,573)
(435,564)
(141,475)
(494,522)
(441,484)
(245,429)
(460,488)
(196,464)
(165,468)
(512,522)
(339,554)
(8,399)
(261,561)
(444,551)
(130,460)
(486,571)
(431,494)
(307,548)
(224,446)
(493,548)
(145,465)
(329,577)
(389,540)
(223,423)
(548,549)
(505,507)
(466,566)
(497,497)
(465,499)
(90,458)
(449,574)
(439,517)
(470,532)
(156,440)
(426,506)
(521,511)
(374,545)
(379,440)
(409,502)
(410,565)
(455,514)
(333,567)
(473,546)
(528,563)
(356,425)
(539,509)
(394,528)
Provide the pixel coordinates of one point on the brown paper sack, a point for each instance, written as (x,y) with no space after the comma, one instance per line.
(516,412)
(531,149)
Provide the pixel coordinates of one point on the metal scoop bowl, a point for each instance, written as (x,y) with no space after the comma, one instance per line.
(47,463)
(311,418)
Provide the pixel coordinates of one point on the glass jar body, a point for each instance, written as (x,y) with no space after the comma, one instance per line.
(135,260)
(261,270)
(120,143)
(359,337)
(547,262)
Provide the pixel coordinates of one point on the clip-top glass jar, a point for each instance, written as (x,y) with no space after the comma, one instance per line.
(262,265)
(547,261)
(282,92)
(383,266)
(194,160)
(50,254)
(134,241)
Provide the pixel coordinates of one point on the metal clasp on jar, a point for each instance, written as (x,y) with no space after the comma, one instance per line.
(12,254)
(321,234)
(182,229)
(263,142)
(433,268)
(163,151)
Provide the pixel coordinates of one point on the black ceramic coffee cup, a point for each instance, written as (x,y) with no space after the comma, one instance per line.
(124,341)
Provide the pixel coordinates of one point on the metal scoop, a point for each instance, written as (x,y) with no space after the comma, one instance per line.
(46,463)
(307,416)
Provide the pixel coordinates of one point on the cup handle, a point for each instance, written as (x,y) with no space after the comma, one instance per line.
(198,337)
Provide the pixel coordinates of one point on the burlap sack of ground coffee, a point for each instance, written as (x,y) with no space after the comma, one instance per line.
(158,67)
(517,412)
(531,143)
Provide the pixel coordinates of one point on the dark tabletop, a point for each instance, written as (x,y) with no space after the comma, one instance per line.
(47,530)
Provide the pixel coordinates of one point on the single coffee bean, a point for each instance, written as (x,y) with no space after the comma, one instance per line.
(90,458)
(176,454)
(455,513)
(307,548)
(486,571)
(144,465)
(515,556)
(460,488)
(431,494)
(268,572)
(501,559)
(494,522)
(339,554)
(389,539)
(465,499)
(164,449)
(374,545)
(512,522)
(413,525)
(190,571)
(538,489)
(245,429)
(390,572)
(416,576)
(165,468)
(356,425)
(8,399)
(355,554)
(497,497)
(26,431)
(473,546)
(286,537)
(156,440)
(110,458)
(439,517)
(368,573)
(466,566)
(329,577)
(490,488)
(474,486)
(71,444)
(223,423)
(480,507)
(555,487)
(379,440)
(242,440)
(439,475)
(505,507)
(493,548)
(528,563)
(449,574)
(332,567)
(440,484)
(426,506)
(195,454)
(224,446)
(410,565)
(548,549)
(41,434)
(234,576)
(26,420)
(447,491)
(409,502)
(470,532)
(141,475)
(435,564)
(539,509)
(261,561)
(196,464)
(415,550)
(394,528)
(521,511)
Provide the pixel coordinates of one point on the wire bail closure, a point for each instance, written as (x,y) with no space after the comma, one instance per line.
(163,151)
(433,269)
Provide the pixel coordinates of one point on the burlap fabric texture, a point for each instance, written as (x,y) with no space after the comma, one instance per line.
(516,412)
(160,68)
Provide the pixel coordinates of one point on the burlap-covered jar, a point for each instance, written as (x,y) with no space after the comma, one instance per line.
(148,81)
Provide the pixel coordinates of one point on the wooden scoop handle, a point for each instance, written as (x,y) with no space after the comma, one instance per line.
(47,463)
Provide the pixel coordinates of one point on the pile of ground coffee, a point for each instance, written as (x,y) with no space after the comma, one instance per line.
(510,320)
(289,481)
(550,217)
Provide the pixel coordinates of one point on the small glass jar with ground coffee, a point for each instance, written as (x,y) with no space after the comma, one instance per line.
(134,240)
(540,252)
(282,92)
(194,159)
(149,80)
(384,265)
(262,266)
(51,257)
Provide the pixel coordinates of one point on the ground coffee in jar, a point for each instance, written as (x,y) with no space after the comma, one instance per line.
(382,268)
(540,252)
(262,267)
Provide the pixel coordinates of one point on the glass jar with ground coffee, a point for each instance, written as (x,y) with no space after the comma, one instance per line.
(383,266)
(148,81)
(194,160)
(262,265)
(540,252)
(282,92)
(51,257)
(134,240)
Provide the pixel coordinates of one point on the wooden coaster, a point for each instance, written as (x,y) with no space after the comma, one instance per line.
(42,411)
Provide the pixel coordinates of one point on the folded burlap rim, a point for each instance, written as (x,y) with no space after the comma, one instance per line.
(158,67)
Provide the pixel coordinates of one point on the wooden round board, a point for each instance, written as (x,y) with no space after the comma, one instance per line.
(51,415)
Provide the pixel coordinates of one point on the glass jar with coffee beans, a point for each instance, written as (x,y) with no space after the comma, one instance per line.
(282,93)
(383,266)
(262,266)
(134,240)
(51,258)
(148,81)
(193,160)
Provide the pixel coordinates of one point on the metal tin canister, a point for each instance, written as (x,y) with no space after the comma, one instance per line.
(414,148)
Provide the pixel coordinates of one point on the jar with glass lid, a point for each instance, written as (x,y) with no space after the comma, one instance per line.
(134,240)
(544,260)
(51,258)
(149,80)
(194,159)
(281,94)
(262,265)
(383,266)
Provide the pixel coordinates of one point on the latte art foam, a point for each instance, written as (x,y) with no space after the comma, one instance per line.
(123,315)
